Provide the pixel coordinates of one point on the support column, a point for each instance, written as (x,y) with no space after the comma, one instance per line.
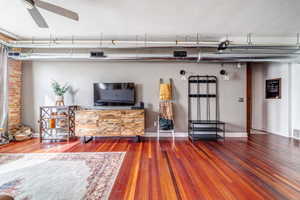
(14,94)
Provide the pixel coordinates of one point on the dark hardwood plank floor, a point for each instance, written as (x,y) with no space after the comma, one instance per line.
(261,167)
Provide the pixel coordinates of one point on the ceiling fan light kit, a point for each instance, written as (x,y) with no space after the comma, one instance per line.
(32,6)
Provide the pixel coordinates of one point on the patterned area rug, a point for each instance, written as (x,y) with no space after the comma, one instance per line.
(59,176)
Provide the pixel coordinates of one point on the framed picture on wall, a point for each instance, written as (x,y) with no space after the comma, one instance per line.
(273,88)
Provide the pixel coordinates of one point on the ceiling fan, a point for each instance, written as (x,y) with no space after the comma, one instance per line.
(32,5)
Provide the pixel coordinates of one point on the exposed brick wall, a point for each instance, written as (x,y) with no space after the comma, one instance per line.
(14,93)
(14,90)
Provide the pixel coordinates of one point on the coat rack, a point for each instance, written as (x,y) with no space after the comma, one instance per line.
(203,108)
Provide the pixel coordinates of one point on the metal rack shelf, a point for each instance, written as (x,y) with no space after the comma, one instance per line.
(207,129)
(205,137)
(57,133)
(201,126)
(59,117)
(203,95)
(202,81)
(206,122)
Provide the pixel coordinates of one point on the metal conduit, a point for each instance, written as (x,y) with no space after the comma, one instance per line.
(116,44)
(201,57)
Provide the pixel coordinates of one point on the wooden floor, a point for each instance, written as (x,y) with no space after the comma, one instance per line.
(262,167)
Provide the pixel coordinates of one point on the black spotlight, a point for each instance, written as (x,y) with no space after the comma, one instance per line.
(97,54)
(182,72)
(223,45)
(180,54)
(223,72)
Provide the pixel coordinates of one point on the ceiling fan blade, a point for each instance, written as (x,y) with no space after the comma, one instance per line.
(57,10)
(38,18)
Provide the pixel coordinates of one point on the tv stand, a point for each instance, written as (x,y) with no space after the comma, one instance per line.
(109,123)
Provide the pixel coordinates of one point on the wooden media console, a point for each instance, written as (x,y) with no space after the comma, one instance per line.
(109,123)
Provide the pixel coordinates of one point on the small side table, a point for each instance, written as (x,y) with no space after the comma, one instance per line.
(58,126)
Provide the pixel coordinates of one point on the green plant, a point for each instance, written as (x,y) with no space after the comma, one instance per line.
(58,89)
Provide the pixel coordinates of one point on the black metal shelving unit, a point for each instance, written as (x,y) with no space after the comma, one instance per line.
(203,109)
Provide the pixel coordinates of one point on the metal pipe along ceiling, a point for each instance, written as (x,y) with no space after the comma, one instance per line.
(201,57)
(232,53)
(108,44)
(119,44)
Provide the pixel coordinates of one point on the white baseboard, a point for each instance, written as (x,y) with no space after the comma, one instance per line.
(185,134)
(154,134)
(236,134)
(273,132)
(260,132)
(179,134)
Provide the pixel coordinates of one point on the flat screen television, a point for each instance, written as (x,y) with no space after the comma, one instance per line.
(114,94)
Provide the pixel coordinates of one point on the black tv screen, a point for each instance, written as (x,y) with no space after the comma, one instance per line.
(114,94)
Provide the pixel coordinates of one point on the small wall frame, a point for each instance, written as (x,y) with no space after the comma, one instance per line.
(273,88)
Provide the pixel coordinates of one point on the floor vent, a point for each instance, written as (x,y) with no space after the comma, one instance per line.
(296,133)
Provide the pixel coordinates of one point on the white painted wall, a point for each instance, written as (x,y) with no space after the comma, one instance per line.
(295,89)
(271,115)
(81,75)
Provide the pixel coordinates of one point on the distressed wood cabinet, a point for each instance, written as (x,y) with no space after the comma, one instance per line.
(109,123)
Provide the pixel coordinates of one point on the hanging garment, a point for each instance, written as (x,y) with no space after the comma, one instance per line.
(165,91)
(166,115)
(166,124)
(166,110)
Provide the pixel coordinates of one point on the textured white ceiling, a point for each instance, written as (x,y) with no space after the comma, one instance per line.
(156,17)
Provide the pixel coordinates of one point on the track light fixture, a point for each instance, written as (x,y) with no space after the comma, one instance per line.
(223,72)
(182,74)
(223,45)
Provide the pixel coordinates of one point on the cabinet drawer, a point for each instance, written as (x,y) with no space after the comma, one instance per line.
(132,113)
(103,131)
(109,114)
(110,122)
(109,129)
(133,127)
(86,119)
(79,131)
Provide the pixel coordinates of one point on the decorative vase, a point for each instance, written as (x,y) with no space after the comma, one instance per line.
(59,101)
